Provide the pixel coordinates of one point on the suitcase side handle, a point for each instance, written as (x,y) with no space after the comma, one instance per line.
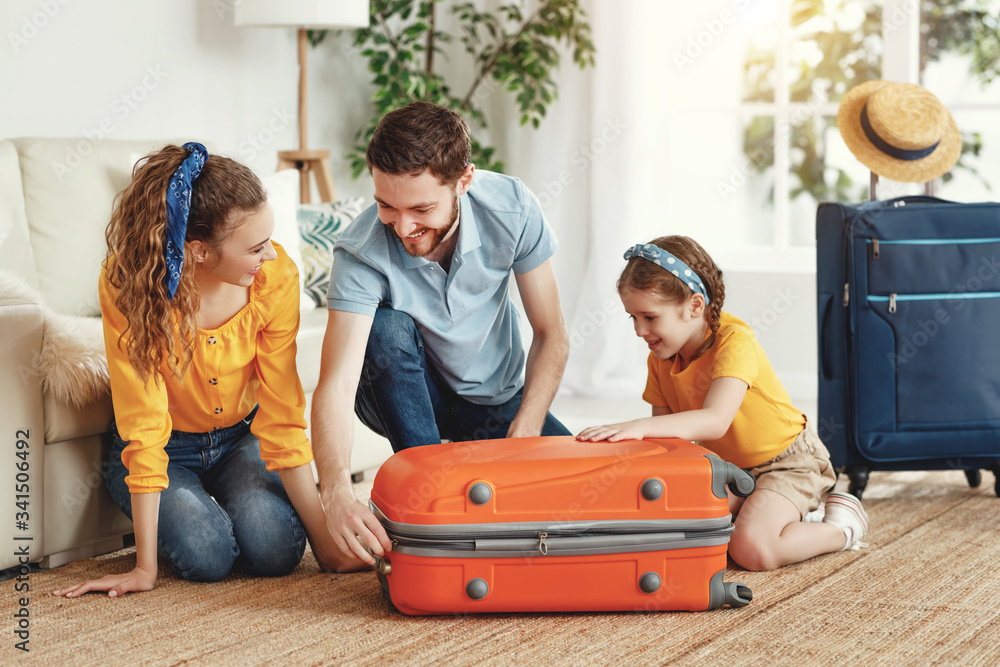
(825,308)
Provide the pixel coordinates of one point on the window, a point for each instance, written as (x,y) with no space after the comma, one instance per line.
(747,102)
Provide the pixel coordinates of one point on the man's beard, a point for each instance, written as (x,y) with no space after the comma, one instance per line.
(438,235)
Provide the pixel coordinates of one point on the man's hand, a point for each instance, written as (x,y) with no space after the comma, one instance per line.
(524,427)
(353,526)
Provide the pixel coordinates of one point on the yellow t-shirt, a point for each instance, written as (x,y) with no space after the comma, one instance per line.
(248,360)
(766,423)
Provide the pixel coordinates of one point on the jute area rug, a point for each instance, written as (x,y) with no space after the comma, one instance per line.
(924,592)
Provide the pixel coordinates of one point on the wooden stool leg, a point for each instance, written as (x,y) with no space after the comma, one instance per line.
(305,183)
(324,181)
(310,164)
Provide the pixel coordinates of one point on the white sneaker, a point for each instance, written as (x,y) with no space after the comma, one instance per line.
(816,516)
(845,512)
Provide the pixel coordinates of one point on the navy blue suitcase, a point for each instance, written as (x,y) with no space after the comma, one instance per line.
(908,317)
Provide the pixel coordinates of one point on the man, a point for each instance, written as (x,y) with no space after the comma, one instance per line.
(423,340)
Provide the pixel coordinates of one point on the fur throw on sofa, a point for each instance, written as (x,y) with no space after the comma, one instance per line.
(72,365)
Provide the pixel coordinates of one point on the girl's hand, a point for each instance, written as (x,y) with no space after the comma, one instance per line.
(116,585)
(630,430)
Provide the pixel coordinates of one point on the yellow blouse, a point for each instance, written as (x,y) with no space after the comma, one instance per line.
(248,360)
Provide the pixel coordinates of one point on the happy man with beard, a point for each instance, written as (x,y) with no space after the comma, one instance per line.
(423,341)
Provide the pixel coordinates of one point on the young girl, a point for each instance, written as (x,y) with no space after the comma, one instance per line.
(200,316)
(710,381)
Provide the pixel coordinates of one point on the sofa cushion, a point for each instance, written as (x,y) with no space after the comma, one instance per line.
(69,187)
(15,249)
(65,421)
(321,225)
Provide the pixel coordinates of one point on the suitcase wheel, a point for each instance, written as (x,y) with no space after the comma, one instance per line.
(859,480)
(737,595)
(974,476)
(995,469)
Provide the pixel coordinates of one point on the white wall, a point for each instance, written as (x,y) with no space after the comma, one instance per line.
(155,70)
(179,70)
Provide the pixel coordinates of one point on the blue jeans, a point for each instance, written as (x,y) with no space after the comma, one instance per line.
(402,398)
(222,510)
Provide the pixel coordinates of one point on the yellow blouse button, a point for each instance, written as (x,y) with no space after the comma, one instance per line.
(218,410)
(211,340)
(213,381)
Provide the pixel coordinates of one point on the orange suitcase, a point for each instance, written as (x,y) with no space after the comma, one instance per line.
(553,524)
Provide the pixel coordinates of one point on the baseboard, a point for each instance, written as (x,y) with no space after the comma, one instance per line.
(55,560)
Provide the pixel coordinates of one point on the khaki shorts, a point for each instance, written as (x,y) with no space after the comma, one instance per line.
(802,473)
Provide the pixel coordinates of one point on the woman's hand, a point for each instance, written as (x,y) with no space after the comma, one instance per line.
(136,581)
(338,562)
(355,530)
(630,430)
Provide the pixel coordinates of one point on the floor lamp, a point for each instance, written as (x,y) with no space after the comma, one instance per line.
(305,15)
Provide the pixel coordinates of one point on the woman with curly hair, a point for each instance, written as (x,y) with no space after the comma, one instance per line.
(209,456)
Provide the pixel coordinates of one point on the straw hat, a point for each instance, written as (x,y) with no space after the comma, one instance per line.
(899,130)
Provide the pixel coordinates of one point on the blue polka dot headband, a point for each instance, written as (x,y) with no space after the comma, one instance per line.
(178,209)
(671,263)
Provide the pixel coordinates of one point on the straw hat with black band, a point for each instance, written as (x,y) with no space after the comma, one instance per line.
(900,131)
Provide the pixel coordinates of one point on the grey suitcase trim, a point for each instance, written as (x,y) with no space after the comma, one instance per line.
(544,538)
(465,531)
(581,545)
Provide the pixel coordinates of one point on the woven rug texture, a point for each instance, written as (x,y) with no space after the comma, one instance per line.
(924,592)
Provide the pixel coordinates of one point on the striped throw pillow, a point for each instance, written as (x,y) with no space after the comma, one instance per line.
(320,226)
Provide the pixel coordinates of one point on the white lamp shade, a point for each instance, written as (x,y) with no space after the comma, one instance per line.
(315,14)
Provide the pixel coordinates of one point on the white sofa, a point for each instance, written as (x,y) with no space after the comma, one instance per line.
(55,202)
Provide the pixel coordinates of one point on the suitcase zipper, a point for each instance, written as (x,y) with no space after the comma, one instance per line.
(894,298)
(968,241)
(543,544)
(847,294)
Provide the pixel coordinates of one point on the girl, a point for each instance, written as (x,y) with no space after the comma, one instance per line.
(200,314)
(710,381)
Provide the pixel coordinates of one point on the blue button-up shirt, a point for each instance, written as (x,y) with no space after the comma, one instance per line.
(469,325)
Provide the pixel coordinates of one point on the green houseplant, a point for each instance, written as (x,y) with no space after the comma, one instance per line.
(515,47)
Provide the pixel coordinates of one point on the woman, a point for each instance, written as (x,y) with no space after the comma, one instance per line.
(209,456)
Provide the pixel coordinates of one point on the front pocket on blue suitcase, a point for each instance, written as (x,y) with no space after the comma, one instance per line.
(929,266)
(946,360)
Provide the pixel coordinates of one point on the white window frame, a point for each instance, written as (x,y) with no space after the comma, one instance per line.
(900,62)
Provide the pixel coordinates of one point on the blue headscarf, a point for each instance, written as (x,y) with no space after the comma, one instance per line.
(178,209)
